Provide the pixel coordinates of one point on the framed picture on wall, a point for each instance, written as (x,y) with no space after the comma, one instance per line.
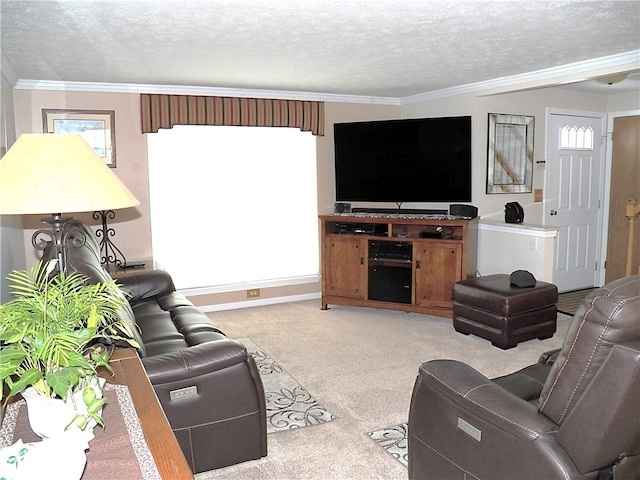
(97,127)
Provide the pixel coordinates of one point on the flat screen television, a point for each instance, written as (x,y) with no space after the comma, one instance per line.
(411,160)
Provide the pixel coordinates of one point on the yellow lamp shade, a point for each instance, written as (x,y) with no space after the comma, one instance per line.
(58,173)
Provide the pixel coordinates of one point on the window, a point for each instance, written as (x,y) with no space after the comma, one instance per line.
(576,138)
(233,205)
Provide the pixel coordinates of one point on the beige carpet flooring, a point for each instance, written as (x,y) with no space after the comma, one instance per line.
(360,364)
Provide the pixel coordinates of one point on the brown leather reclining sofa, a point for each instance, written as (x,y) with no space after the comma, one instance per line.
(207,384)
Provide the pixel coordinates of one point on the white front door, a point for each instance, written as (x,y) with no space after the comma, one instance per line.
(574,182)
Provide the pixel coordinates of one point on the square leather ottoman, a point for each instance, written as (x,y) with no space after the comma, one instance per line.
(491,308)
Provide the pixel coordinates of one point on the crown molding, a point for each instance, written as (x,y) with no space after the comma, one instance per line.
(569,73)
(554,76)
(196,90)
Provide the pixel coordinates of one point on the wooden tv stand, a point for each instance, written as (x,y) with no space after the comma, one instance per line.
(399,262)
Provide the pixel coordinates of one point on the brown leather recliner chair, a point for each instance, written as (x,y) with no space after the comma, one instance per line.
(576,416)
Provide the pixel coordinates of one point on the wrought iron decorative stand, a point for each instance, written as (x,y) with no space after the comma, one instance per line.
(63,233)
(110,255)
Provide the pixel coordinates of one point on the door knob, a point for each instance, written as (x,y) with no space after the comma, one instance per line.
(553,212)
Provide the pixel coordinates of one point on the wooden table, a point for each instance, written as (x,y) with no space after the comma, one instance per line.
(163,445)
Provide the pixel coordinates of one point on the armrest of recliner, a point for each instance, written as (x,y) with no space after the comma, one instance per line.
(478,395)
(463,425)
(147,284)
(214,400)
(192,362)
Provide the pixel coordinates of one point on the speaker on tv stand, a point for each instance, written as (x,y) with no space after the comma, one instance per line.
(401,211)
(461,210)
(341,207)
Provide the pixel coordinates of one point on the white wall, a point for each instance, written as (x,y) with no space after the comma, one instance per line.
(534,247)
(12,253)
(622,102)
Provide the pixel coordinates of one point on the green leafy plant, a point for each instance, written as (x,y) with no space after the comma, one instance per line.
(51,332)
(94,407)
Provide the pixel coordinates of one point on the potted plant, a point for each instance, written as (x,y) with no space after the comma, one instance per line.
(52,335)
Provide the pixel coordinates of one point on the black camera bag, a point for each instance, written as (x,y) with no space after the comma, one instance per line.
(513,213)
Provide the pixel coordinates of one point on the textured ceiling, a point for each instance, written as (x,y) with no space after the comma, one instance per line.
(378,48)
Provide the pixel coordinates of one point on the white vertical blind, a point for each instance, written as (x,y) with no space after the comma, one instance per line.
(233,205)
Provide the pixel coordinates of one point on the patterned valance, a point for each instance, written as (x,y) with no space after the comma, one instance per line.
(165,111)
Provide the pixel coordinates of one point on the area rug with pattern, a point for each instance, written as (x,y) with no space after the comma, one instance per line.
(289,405)
(394,440)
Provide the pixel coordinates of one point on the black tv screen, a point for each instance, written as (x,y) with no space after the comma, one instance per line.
(412,160)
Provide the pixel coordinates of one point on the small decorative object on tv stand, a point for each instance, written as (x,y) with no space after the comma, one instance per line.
(110,255)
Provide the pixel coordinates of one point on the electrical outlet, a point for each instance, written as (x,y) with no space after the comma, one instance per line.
(537,195)
(253,293)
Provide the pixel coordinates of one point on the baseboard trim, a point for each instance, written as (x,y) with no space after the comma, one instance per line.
(280,282)
(260,302)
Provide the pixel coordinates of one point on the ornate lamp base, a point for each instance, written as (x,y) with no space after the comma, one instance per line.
(110,255)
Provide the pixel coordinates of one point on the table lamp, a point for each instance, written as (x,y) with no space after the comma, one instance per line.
(57,174)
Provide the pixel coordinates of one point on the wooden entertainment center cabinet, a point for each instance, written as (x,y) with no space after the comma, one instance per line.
(401,262)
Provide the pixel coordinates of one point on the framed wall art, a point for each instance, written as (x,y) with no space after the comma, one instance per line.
(510,153)
(97,127)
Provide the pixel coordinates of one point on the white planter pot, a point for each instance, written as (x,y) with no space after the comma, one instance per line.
(49,417)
